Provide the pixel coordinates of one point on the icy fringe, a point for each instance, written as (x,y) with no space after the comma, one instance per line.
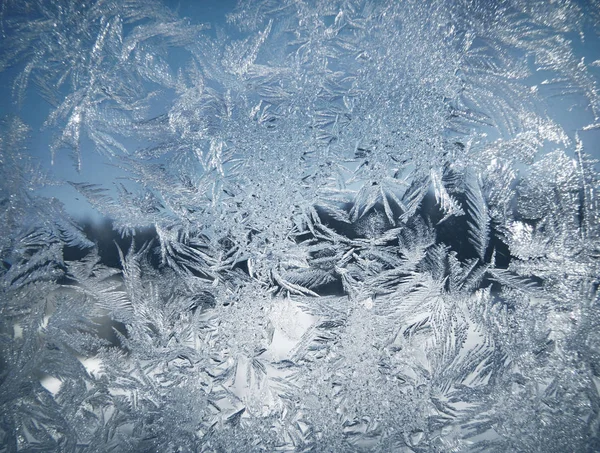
(300,296)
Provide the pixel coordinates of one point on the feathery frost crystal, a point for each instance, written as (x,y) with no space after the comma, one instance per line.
(340,226)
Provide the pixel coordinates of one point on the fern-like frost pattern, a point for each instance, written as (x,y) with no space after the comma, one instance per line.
(339,226)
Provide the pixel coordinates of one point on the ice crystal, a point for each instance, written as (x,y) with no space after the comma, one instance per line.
(337,226)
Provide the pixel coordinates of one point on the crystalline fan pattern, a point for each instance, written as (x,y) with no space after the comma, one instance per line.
(340,226)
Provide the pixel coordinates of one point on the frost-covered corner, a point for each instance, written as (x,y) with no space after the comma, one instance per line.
(341,226)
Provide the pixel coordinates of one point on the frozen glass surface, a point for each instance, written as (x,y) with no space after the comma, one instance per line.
(299,226)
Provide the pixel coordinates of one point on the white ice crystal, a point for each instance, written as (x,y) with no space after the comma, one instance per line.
(328,226)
